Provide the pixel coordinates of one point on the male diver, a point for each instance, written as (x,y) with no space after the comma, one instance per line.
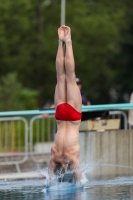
(65,150)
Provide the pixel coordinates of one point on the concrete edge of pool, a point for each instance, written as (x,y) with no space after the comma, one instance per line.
(22,175)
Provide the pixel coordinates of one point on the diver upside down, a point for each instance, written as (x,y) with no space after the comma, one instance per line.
(65,150)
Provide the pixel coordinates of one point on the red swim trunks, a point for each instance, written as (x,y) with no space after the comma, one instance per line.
(66,112)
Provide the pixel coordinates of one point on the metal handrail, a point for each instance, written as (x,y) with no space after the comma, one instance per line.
(31,138)
(26,141)
(114,109)
(124,116)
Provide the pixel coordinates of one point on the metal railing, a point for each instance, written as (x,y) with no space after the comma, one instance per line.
(122,116)
(42,132)
(21,138)
(13,141)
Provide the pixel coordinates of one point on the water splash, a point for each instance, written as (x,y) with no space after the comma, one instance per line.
(59,183)
(86,168)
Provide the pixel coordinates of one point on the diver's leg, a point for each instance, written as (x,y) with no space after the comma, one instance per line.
(73,92)
(60,90)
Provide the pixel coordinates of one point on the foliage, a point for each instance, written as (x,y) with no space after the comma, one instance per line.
(13,96)
(29,99)
(28,44)
(10,89)
(124,64)
(13,134)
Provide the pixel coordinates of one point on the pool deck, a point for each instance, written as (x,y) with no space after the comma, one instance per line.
(23,175)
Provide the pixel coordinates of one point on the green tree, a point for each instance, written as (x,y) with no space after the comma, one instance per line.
(29,98)
(14,97)
(124,63)
(28,43)
(10,89)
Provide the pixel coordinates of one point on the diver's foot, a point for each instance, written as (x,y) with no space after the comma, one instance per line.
(67,34)
(61,33)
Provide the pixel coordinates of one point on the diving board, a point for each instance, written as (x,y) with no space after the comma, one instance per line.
(109,107)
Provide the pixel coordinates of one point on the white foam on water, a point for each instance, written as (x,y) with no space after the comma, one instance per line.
(55,185)
(86,168)
(61,186)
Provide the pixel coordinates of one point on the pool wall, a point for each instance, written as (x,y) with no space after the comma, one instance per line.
(109,152)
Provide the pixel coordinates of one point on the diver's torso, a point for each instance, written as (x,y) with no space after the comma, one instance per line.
(67,139)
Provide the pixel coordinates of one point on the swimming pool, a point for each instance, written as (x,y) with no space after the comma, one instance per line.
(33,189)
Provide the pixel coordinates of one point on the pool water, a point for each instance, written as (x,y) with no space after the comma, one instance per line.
(120,188)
